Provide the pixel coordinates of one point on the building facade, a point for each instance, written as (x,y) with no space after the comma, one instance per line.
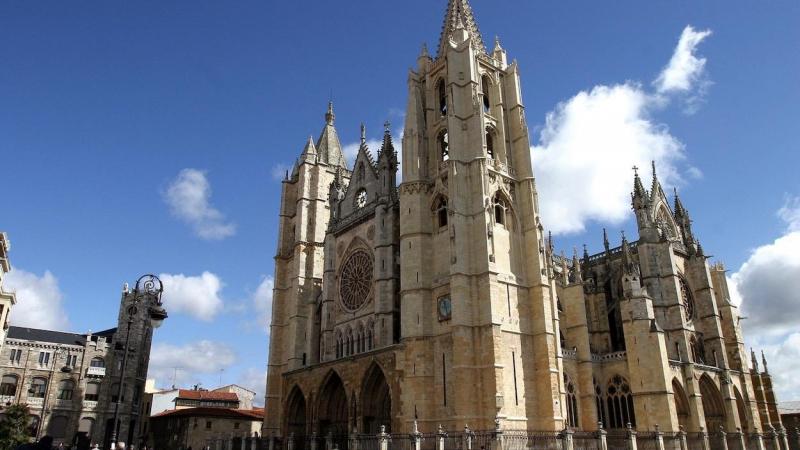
(442,302)
(7,299)
(70,381)
(208,428)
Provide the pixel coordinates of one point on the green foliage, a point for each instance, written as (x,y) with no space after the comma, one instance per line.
(14,427)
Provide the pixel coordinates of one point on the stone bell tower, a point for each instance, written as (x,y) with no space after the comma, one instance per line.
(299,259)
(478,315)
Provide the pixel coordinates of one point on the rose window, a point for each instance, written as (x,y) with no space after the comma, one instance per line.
(355,281)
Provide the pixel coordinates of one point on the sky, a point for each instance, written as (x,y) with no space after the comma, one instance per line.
(151,137)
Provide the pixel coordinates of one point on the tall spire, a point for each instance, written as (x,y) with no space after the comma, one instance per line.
(329,148)
(459,12)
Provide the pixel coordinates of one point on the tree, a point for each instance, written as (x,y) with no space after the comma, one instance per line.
(14,427)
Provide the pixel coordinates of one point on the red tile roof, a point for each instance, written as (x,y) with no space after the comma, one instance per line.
(189,394)
(245,414)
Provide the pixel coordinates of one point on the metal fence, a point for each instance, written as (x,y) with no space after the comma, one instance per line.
(525,440)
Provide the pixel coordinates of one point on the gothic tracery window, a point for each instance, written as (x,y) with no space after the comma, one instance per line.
(598,401)
(619,401)
(572,402)
(698,349)
(500,210)
(355,281)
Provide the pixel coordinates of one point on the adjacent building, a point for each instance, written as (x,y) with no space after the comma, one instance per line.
(7,299)
(70,381)
(443,302)
(199,418)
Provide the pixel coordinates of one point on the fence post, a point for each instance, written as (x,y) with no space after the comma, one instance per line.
(354,439)
(290,442)
(682,436)
(659,438)
(329,440)
(601,436)
(383,438)
(742,443)
(440,435)
(797,436)
(631,436)
(416,436)
(567,442)
(724,437)
(313,444)
(498,435)
(272,441)
(467,438)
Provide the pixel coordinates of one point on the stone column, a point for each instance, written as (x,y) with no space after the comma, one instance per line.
(631,435)
(782,436)
(706,444)
(566,441)
(742,443)
(776,445)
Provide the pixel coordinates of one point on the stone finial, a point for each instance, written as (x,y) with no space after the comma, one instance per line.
(764,362)
(606,244)
(330,116)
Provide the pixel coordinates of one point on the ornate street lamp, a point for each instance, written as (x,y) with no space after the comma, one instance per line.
(148,292)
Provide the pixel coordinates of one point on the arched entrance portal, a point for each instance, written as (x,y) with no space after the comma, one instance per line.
(740,409)
(296,417)
(333,417)
(681,403)
(376,402)
(713,407)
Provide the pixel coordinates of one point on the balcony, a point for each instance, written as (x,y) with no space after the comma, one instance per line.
(88,404)
(96,372)
(35,401)
(7,399)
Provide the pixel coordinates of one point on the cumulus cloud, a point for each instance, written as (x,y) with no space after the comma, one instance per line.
(181,365)
(685,68)
(685,74)
(197,296)
(767,286)
(38,301)
(189,199)
(768,283)
(262,302)
(587,149)
(590,142)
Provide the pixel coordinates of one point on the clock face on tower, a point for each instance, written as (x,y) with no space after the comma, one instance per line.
(445,308)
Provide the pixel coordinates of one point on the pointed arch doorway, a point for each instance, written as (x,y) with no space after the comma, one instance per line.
(376,402)
(296,422)
(333,413)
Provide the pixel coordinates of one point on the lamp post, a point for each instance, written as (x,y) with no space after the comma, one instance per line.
(147,292)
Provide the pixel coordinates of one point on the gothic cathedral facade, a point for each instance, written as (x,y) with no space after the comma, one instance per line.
(441,301)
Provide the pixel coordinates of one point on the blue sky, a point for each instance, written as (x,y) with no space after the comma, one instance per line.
(104,106)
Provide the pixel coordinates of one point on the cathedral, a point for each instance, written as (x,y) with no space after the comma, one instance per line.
(441,301)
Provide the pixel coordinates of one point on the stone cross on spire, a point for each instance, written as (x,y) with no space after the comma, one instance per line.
(459,13)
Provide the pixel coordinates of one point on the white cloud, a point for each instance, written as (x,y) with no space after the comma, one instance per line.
(685,68)
(255,380)
(38,301)
(587,149)
(590,142)
(181,365)
(188,197)
(262,302)
(197,296)
(767,286)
